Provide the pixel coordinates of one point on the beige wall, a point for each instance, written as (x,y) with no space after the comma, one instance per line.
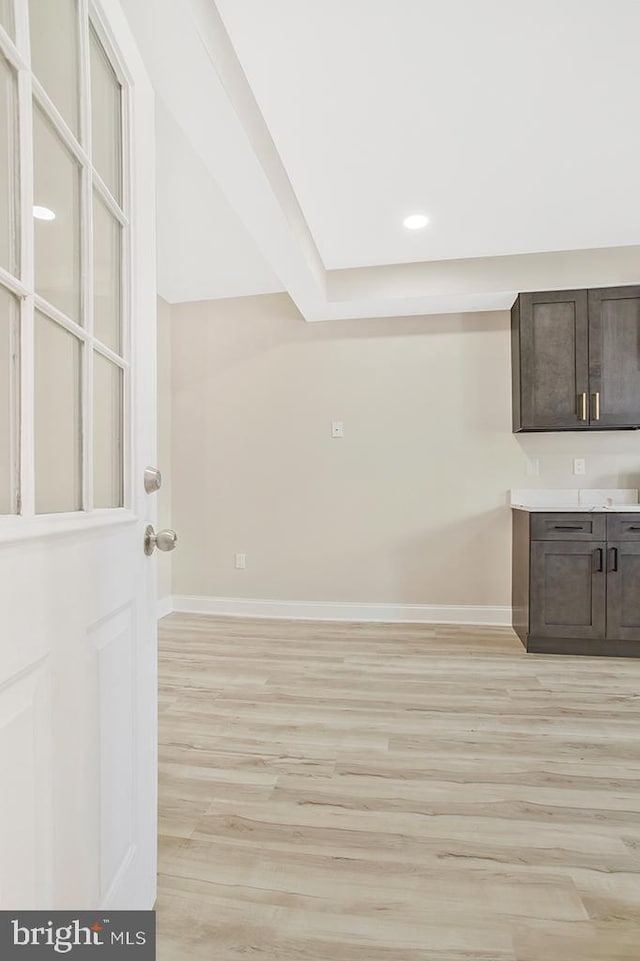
(410,507)
(165,561)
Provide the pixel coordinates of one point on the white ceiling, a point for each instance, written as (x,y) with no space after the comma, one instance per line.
(204,251)
(294,136)
(512,124)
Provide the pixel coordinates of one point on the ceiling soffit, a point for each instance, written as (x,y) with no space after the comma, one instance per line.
(219,117)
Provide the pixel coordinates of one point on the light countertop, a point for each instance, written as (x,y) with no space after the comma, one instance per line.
(616,500)
(578,508)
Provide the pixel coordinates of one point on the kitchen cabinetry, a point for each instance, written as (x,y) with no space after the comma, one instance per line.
(576,582)
(576,359)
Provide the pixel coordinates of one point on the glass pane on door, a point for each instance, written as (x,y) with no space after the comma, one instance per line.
(9,401)
(58,418)
(55,60)
(106,119)
(7,18)
(107,434)
(107,253)
(9,258)
(56,198)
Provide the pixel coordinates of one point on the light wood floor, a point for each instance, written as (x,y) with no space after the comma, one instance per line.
(357,792)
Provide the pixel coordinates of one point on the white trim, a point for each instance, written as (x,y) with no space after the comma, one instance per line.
(86,262)
(53,313)
(165,606)
(63,132)
(13,529)
(14,404)
(100,188)
(10,50)
(109,354)
(26,425)
(13,284)
(491,616)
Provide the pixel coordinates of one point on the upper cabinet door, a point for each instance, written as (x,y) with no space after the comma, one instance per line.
(553,360)
(614,357)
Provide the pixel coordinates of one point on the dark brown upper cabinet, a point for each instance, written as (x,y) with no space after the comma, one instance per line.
(576,359)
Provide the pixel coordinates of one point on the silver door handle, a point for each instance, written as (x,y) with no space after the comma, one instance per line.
(164,540)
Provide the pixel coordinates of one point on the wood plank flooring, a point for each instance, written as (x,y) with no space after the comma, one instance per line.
(359,792)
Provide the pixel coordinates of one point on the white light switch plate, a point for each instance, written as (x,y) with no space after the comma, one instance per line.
(337,428)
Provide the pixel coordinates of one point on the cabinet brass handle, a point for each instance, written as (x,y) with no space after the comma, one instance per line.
(583,405)
(613,560)
(599,560)
(596,404)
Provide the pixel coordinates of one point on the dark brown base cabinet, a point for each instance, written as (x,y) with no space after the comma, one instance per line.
(576,583)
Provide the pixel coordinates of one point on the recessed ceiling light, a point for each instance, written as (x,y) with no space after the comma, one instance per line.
(43,213)
(415,221)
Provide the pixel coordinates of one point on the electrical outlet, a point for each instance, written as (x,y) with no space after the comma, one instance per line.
(337,428)
(241,562)
(579,465)
(533,466)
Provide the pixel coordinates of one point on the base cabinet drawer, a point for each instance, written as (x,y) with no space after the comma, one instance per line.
(568,527)
(623,527)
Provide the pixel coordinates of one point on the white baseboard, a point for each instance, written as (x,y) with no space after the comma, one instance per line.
(338,611)
(165,606)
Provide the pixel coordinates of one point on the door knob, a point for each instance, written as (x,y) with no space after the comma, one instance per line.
(164,540)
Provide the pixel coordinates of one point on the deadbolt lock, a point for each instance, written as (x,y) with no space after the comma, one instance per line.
(152,480)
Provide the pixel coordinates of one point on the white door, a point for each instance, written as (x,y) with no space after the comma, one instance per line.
(77,429)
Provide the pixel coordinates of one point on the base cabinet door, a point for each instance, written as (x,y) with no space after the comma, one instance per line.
(568,589)
(623,591)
